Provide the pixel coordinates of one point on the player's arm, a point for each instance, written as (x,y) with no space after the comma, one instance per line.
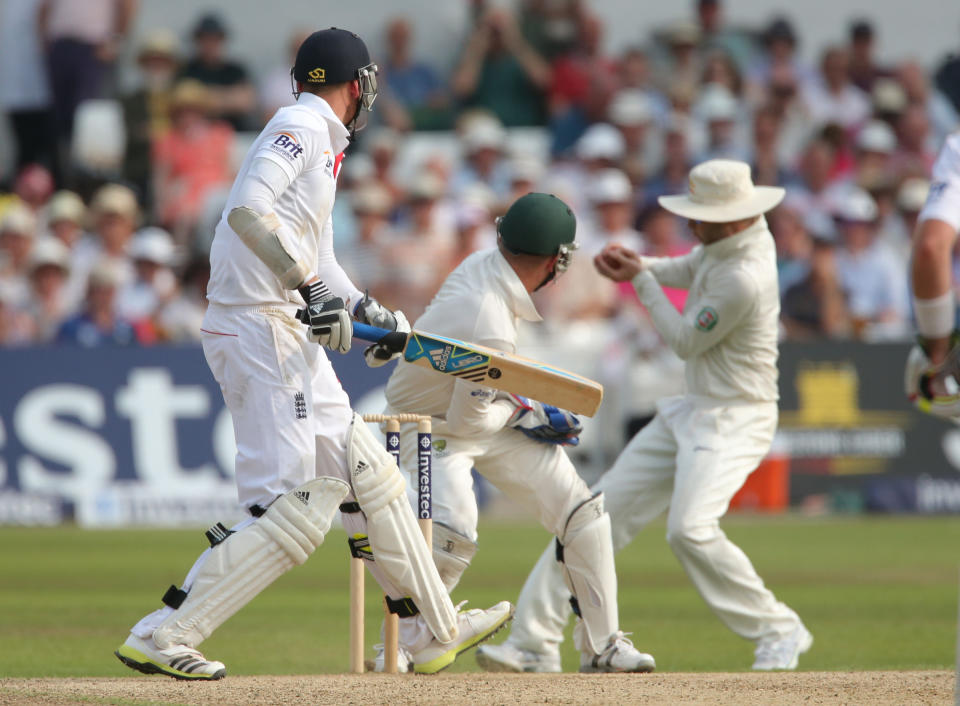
(933,299)
(674,271)
(475,410)
(731,298)
(258,226)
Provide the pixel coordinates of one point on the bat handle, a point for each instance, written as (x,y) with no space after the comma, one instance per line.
(365,332)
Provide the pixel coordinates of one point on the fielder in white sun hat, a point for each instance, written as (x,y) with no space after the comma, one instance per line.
(721,191)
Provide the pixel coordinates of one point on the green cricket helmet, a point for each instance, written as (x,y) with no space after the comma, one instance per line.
(539,224)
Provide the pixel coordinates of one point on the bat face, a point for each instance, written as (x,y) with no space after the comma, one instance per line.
(446,356)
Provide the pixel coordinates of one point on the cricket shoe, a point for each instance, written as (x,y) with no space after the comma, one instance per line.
(619,656)
(475,625)
(179,661)
(404,660)
(784,652)
(507,658)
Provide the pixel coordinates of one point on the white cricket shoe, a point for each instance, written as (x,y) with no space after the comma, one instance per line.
(475,625)
(179,661)
(619,656)
(784,652)
(404,659)
(507,658)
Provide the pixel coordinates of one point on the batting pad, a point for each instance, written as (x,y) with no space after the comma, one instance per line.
(586,554)
(395,538)
(246,562)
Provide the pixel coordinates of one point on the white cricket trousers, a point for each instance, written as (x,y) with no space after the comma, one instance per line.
(290,414)
(690,460)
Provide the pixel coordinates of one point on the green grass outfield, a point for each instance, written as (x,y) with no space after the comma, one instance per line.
(878,593)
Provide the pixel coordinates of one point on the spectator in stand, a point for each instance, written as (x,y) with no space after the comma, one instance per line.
(98,324)
(16,329)
(372,205)
(889,100)
(672,177)
(231,94)
(635,74)
(942,115)
(875,143)
(766,164)
(816,306)
(632,113)
(525,174)
(549,27)
(415,96)
(915,150)
(34,186)
(382,147)
(870,272)
(191,160)
(24,88)
(833,98)
(600,147)
(911,197)
(784,100)
(863,67)
(83,39)
(793,241)
(18,231)
(146,109)
(947,79)
(114,215)
(180,319)
(779,55)
(154,284)
(720,70)
(681,66)
(65,215)
(501,72)
(48,304)
(483,140)
(715,34)
(584,79)
(719,110)
(815,190)
(274,90)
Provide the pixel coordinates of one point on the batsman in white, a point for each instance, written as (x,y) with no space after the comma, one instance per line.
(301,450)
(514,442)
(933,367)
(700,447)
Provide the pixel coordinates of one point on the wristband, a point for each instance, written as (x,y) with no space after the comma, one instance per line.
(935,317)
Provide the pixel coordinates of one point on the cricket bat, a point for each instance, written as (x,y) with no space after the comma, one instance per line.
(493,368)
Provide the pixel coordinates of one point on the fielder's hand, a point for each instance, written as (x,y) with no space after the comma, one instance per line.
(544,422)
(370,311)
(326,317)
(618,263)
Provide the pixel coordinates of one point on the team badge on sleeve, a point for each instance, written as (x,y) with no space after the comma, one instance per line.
(707,318)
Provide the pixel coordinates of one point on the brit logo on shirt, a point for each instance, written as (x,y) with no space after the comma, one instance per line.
(286,144)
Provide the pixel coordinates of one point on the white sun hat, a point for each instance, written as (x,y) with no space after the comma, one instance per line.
(721,191)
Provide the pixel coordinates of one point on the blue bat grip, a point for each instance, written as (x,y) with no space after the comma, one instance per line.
(366,332)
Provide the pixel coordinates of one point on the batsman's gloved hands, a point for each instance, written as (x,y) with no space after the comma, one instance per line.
(934,389)
(370,311)
(544,422)
(326,317)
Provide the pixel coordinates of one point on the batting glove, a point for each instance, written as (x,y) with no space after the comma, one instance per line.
(544,422)
(326,317)
(370,311)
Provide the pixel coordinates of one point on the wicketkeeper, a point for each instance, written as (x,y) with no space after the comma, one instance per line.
(302,453)
(698,450)
(516,443)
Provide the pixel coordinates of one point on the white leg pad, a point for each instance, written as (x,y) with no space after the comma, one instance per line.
(586,557)
(248,561)
(452,553)
(396,541)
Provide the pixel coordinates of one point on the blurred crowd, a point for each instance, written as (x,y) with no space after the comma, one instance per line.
(106,219)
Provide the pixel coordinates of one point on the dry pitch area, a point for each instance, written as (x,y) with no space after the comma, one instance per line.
(928,687)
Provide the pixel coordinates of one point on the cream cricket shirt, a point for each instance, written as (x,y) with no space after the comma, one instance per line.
(943,201)
(291,169)
(482,302)
(727,333)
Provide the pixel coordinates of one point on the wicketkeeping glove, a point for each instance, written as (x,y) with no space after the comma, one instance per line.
(370,311)
(326,318)
(544,422)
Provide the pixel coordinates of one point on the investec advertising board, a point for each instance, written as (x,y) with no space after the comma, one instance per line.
(122,436)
